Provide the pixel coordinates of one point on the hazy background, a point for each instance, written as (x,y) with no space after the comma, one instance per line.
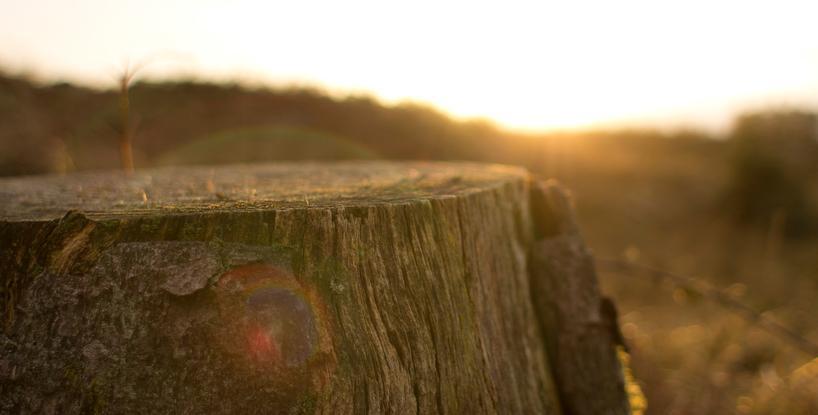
(687,133)
(531,65)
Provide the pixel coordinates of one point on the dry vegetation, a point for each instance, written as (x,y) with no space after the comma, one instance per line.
(737,213)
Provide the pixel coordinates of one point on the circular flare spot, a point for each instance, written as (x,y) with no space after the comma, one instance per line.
(286,324)
(276,319)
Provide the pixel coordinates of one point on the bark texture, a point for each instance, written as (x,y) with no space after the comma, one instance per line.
(289,288)
(581,327)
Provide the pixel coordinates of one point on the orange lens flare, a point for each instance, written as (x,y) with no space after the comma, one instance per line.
(263,346)
(277,321)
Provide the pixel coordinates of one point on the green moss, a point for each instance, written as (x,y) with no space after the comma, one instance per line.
(306,405)
(92,399)
(190,229)
(150,225)
(331,279)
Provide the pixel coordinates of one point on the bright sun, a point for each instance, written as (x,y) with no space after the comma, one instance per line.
(525,64)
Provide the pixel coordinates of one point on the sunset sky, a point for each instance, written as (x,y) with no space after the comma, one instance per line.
(528,65)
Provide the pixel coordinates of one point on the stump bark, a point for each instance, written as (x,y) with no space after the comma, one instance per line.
(284,288)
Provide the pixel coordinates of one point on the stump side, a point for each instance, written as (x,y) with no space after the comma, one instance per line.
(406,290)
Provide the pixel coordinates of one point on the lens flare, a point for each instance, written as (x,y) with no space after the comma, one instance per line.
(276,321)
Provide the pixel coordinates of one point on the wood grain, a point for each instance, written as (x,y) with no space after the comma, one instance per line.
(581,339)
(285,288)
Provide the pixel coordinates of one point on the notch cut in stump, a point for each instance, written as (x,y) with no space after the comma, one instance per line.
(360,287)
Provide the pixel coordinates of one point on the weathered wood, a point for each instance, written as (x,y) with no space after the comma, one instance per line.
(289,288)
(581,326)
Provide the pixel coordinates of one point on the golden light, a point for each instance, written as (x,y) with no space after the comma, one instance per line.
(529,65)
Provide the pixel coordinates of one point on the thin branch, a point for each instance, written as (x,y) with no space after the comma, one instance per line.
(126,130)
(721,298)
(127,122)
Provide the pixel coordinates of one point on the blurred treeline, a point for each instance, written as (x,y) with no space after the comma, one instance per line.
(63,127)
(738,211)
(772,156)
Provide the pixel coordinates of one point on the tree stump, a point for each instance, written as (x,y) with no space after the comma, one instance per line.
(361,287)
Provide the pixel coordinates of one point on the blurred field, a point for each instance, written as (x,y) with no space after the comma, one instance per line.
(736,212)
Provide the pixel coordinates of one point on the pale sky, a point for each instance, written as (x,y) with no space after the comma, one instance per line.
(527,65)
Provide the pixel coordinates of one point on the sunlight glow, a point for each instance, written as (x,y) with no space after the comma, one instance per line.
(529,65)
